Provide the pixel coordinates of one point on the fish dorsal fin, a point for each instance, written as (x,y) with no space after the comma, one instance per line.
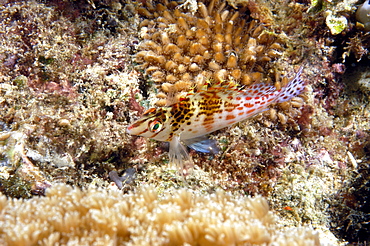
(261,89)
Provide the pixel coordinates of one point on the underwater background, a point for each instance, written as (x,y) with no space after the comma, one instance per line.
(75,74)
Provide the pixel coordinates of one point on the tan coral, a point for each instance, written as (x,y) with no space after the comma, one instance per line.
(216,42)
(179,217)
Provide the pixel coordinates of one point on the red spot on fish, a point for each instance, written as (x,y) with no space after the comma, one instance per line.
(241,113)
(209,120)
(230,117)
(248,105)
(208,127)
(251,111)
(238,98)
(257,98)
(239,108)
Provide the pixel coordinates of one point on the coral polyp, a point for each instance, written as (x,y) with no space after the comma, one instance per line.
(181,49)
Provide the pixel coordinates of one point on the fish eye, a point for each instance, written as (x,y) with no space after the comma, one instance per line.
(155,126)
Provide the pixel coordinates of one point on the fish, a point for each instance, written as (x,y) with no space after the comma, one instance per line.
(189,121)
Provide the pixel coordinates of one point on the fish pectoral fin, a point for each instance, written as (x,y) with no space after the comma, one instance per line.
(178,153)
(203,144)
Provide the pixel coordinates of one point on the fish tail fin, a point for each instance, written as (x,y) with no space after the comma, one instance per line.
(292,89)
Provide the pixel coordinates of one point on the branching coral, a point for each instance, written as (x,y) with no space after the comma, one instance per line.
(143,218)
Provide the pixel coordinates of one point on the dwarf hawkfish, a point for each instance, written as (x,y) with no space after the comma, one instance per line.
(198,114)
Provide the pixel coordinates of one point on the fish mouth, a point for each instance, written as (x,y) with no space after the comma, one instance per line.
(134,129)
(128,130)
